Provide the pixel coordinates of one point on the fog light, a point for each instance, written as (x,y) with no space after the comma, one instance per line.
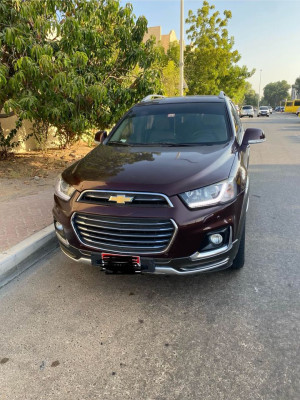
(216,238)
(59,226)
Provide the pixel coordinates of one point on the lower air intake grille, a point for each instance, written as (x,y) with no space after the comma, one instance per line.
(124,235)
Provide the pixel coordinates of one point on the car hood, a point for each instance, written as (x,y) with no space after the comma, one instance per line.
(168,170)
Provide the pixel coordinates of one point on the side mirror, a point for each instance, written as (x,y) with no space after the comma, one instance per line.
(253,135)
(100,136)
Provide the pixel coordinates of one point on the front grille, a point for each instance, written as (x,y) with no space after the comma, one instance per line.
(101,197)
(124,235)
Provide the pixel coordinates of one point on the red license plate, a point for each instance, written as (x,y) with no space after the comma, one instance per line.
(119,260)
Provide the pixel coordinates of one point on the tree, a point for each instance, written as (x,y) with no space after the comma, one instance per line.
(251,97)
(210,61)
(170,79)
(173,53)
(275,92)
(162,56)
(74,64)
(18,36)
(297,86)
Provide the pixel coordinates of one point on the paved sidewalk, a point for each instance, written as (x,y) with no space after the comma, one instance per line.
(21,217)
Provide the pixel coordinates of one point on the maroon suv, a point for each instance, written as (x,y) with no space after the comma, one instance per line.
(165,192)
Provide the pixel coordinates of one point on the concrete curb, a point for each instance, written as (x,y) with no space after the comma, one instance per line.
(18,258)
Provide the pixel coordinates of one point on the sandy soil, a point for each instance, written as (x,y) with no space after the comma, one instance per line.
(33,172)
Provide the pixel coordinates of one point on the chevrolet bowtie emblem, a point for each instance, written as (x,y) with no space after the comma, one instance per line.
(120,199)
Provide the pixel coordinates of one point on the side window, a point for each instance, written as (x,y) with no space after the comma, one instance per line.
(237,122)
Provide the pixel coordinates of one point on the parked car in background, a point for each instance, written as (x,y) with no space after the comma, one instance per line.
(165,192)
(270,110)
(238,108)
(263,111)
(247,111)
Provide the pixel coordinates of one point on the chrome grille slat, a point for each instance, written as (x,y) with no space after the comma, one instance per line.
(125,229)
(129,235)
(83,228)
(97,196)
(100,237)
(149,200)
(139,199)
(112,221)
(125,247)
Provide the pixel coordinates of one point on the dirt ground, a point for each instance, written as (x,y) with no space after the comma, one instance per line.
(32,172)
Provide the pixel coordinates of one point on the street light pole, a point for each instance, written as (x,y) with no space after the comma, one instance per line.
(181,62)
(259,91)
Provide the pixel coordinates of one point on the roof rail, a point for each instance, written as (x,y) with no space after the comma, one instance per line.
(152,97)
(222,95)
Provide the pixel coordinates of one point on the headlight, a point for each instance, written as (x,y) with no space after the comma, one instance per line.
(221,192)
(63,189)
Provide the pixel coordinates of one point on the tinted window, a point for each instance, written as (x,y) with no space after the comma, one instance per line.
(297,103)
(190,123)
(247,107)
(263,108)
(288,103)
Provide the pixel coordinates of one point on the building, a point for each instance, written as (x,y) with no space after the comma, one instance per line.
(164,40)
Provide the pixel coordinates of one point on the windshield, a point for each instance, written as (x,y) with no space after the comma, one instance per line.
(247,108)
(263,108)
(173,124)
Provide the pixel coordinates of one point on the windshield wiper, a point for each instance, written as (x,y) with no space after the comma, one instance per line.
(118,143)
(191,144)
(170,144)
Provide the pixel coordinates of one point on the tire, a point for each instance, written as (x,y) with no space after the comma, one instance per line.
(258,116)
(239,260)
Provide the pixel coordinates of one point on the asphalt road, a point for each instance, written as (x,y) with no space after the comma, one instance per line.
(68,331)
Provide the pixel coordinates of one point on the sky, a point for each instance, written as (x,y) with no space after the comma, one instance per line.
(266,32)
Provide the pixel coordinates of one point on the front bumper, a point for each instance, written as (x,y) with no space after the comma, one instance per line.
(250,114)
(198,262)
(184,256)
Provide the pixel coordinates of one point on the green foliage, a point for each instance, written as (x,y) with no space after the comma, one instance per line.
(276,92)
(162,56)
(8,142)
(173,53)
(74,64)
(210,60)
(251,98)
(170,79)
(296,85)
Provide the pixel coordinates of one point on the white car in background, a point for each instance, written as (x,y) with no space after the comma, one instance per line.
(247,111)
(270,110)
(263,111)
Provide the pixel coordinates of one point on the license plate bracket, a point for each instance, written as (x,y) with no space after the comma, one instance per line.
(116,262)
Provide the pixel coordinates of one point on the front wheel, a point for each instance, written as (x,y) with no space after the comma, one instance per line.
(239,260)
